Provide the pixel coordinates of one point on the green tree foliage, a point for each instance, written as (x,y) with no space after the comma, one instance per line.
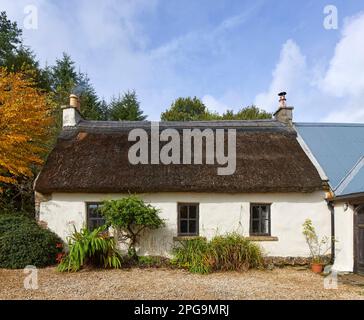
(65,80)
(130,216)
(192,109)
(105,110)
(126,107)
(188,109)
(91,106)
(248,113)
(15,56)
(23,242)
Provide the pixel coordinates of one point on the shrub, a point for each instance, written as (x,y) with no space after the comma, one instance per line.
(93,248)
(23,242)
(234,252)
(225,253)
(130,216)
(192,254)
(10,222)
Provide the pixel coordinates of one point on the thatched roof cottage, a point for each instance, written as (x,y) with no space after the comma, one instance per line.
(273,187)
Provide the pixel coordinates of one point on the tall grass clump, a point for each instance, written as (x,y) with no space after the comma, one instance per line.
(233,252)
(230,252)
(192,255)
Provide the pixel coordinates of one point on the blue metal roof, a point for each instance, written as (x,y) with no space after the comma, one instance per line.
(338,148)
(356,185)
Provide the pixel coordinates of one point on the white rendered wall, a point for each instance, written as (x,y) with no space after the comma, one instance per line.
(219,213)
(344,235)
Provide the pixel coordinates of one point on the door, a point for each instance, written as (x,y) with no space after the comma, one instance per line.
(359,240)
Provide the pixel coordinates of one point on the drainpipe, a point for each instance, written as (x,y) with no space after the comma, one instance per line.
(332,211)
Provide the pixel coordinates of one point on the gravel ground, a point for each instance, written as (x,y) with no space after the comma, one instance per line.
(287,283)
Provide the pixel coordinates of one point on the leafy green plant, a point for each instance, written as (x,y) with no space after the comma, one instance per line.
(130,216)
(23,242)
(234,252)
(192,254)
(223,253)
(95,248)
(152,262)
(318,247)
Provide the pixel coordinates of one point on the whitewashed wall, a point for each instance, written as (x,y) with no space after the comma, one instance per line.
(344,235)
(219,213)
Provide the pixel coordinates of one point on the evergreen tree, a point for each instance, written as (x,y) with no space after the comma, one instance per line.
(64,79)
(105,111)
(90,103)
(126,107)
(10,38)
(15,56)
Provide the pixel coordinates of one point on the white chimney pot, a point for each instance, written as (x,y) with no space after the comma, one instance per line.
(71,115)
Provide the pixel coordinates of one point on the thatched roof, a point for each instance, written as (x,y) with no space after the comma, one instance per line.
(93,158)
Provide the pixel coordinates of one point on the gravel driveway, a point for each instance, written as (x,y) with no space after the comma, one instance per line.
(288,283)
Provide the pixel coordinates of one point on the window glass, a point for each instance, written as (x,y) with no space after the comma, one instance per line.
(260,219)
(188,220)
(94,217)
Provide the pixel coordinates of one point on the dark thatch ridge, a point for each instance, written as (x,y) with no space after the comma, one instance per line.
(93,158)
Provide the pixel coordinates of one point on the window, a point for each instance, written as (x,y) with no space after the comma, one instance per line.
(188,219)
(94,217)
(260,219)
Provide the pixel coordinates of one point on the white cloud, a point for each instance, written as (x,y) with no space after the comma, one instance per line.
(345,75)
(213,104)
(288,75)
(331,94)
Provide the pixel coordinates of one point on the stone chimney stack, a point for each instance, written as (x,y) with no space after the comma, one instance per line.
(71,113)
(284,114)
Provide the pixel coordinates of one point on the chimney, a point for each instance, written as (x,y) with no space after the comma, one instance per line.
(284,114)
(71,113)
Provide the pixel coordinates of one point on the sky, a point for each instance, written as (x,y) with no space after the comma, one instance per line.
(231,54)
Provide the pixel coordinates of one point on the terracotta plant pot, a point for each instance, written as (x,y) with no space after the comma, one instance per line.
(317,267)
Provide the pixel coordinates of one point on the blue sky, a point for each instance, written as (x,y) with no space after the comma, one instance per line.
(229,53)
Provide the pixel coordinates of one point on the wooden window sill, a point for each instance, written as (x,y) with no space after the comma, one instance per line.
(183,238)
(262,238)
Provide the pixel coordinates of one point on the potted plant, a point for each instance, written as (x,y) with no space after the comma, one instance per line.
(318,247)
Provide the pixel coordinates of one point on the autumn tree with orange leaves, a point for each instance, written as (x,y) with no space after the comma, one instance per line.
(25,122)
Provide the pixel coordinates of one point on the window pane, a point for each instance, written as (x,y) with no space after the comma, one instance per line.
(255,212)
(265,212)
(183,226)
(92,210)
(193,212)
(94,217)
(260,216)
(264,226)
(192,227)
(183,212)
(255,226)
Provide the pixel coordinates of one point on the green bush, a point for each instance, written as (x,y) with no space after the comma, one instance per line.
(192,254)
(10,222)
(23,242)
(223,253)
(234,252)
(131,216)
(93,248)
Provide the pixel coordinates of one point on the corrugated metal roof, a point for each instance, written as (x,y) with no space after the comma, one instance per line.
(338,147)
